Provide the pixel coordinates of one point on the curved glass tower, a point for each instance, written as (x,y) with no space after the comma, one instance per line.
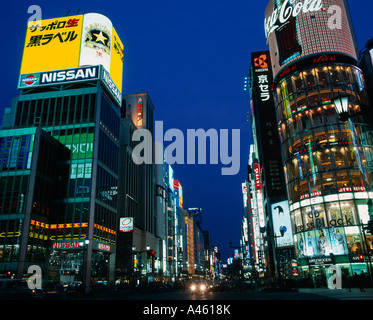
(328,162)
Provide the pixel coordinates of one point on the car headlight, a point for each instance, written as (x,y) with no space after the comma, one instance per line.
(203,287)
(193,287)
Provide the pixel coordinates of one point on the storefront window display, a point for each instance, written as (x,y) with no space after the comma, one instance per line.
(313,217)
(354,241)
(297,221)
(338,241)
(310,244)
(66,267)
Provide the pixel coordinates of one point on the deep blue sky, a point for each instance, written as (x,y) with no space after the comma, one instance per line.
(191,56)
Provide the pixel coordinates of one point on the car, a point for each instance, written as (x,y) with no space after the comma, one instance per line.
(199,286)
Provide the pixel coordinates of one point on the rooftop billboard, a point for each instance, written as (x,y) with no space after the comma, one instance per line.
(302,28)
(72,42)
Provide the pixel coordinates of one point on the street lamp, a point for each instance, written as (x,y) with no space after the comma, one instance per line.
(341,104)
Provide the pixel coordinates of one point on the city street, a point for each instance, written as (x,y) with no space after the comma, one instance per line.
(255,295)
(301,294)
(181,304)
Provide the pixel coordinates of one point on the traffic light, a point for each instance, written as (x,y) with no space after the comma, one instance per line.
(151,253)
(361,258)
(9,274)
(370,227)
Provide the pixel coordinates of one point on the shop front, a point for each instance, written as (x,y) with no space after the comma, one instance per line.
(68,262)
(329,231)
(318,270)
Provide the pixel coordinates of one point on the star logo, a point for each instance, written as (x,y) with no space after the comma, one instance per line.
(100,37)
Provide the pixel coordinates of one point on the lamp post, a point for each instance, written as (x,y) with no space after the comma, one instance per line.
(341,104)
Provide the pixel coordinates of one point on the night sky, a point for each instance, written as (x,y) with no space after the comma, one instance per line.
(191,57)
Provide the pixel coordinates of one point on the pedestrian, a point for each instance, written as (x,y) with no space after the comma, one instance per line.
(345,282)
(361,281)
(348,283)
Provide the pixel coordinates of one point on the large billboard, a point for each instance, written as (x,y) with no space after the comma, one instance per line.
(96,42)
(302,28)
(282,224)
(72,42)
(52,44)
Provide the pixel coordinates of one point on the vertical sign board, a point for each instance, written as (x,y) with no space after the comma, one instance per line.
(180,195)
(244,193)
(266,124)
(282,222)
(116,63)
(259,197)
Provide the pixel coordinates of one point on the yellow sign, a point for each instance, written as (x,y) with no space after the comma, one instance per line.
(72,42)
(52,44)
(116,64)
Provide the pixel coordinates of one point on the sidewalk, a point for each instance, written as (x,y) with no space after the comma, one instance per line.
(341,294)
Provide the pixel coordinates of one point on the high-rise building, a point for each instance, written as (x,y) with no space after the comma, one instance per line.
(76,99)
(137,193)
(328,162)
(140,109)
(34,171)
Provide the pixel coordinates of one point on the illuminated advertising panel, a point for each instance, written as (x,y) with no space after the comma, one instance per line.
(52,44)
(116,63)
(126,224)
(58,77)
(180,196)
(61,44)
(258,187)
(171,178)
(110,85)
(299,29)
(96,41)
(81,145)
(139,112)
(264,116)
(67,245)
(282,224)
(244,193)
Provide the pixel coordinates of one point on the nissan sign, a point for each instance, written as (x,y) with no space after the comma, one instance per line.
(59,77)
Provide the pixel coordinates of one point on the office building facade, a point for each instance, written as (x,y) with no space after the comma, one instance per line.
(77,103)
(34,171)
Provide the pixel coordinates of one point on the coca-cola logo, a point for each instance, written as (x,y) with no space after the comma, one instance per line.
(290,8)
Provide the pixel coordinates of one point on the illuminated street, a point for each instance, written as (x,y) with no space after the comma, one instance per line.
(187,151)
